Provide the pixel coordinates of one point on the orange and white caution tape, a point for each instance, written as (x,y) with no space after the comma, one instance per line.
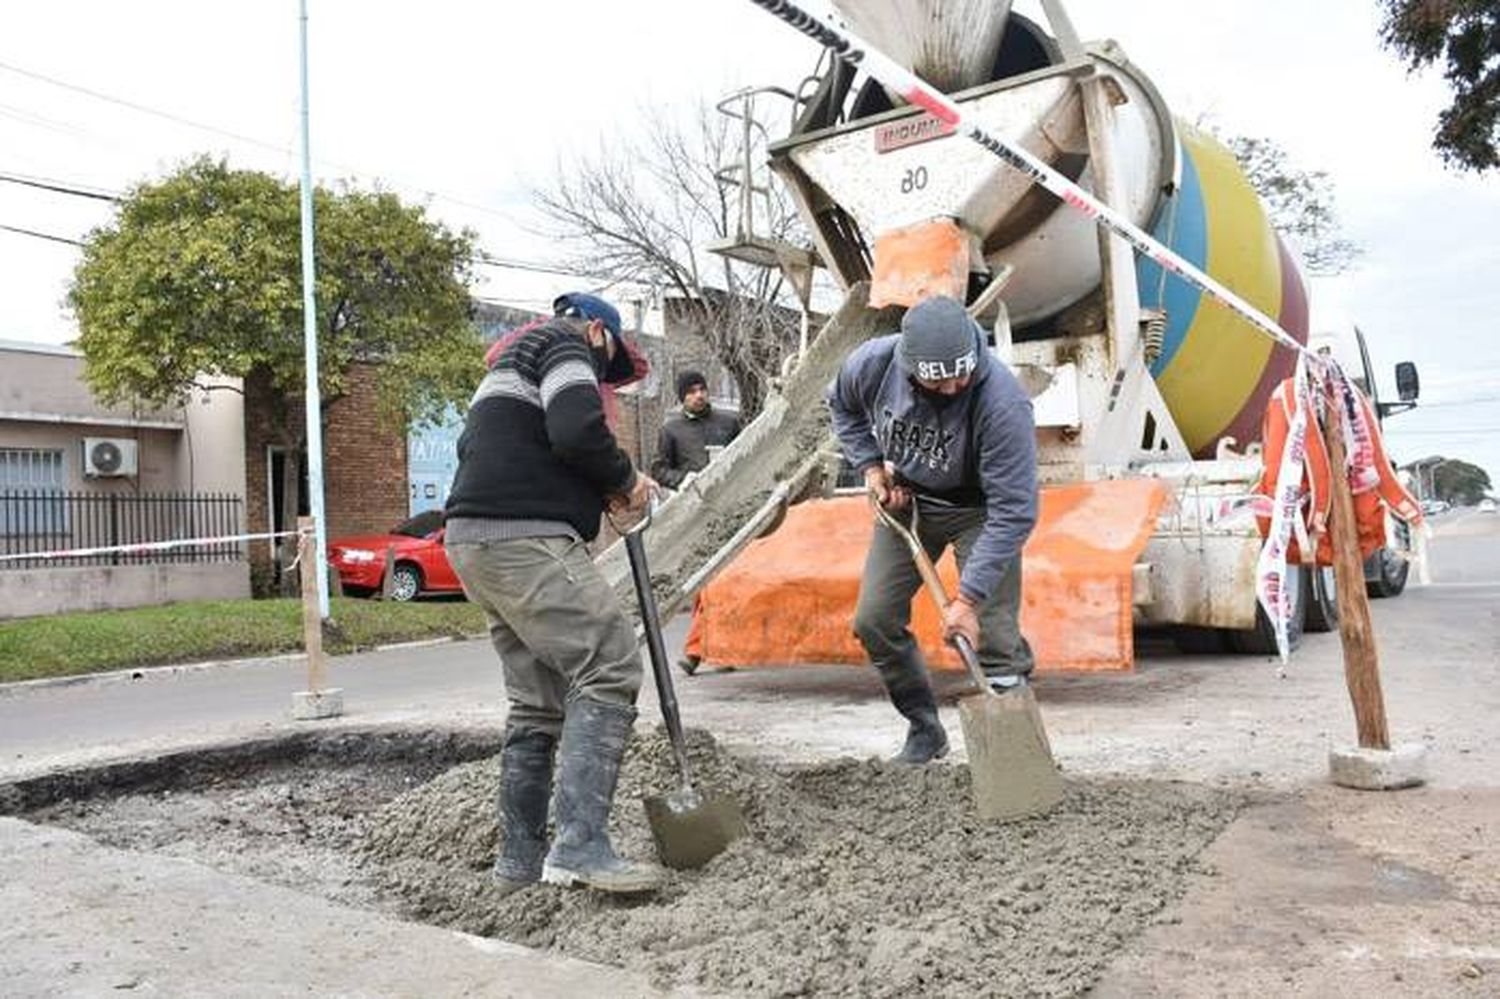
(1271,568)
(830,31)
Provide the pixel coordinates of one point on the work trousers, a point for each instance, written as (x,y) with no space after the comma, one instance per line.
(556,624)
(883,615)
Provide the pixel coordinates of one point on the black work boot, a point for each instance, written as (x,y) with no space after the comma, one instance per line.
(593,742)
(525,791)
(926,740)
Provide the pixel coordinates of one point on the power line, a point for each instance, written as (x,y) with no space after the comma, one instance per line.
(1476,401)
(143,109)
(250,140)
(1403,432)
(40,235)
(57,186)
(490,260)
(480,258)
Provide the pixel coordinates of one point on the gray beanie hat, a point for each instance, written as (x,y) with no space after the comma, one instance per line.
(939,340)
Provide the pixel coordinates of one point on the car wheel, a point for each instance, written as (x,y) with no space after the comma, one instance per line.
(1391,571)
(406,582)
(1323,602)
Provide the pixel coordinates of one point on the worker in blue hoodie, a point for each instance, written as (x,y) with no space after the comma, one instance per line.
(928,416)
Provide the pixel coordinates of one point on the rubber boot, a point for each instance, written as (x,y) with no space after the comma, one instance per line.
(525,791)
(926,740)
(593,743)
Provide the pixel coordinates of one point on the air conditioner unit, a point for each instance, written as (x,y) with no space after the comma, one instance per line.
(108,456)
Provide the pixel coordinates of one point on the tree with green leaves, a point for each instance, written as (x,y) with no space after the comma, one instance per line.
(199,274)
(1465,34)
(1459,482)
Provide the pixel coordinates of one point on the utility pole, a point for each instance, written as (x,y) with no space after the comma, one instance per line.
(314,401)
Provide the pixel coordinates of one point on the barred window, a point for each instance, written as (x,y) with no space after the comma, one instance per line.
(29,478)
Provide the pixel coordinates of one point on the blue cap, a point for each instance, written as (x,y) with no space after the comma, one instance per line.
(582,305)
(588,306)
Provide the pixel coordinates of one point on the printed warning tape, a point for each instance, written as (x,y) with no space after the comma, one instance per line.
(1271,567)
(146,546)
(832,33)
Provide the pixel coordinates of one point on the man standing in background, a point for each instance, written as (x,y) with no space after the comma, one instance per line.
(682,452)
(682,447)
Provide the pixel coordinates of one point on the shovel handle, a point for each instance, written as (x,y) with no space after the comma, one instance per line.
(935,589)
(666,694)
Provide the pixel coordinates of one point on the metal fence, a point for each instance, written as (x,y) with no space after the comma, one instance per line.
(40,520)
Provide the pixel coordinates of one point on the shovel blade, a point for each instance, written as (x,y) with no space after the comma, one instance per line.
(692,830)
(1010,759)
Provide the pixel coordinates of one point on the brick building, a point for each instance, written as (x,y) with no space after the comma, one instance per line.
(374,477)
(364,467)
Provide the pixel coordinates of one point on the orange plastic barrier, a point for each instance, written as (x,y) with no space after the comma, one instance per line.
(789,598)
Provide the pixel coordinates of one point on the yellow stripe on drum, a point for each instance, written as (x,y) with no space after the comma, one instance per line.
(1219,364)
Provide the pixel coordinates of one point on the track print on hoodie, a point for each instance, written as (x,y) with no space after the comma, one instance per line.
(907,442)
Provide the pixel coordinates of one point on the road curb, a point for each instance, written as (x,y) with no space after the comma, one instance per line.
(135,674)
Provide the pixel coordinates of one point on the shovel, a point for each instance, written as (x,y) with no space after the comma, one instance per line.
(690,828)
(1010,759)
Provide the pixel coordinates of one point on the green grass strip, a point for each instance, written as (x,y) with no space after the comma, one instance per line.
(70,644)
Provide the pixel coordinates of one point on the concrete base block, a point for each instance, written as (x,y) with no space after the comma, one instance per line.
(309,705)
(1378,769)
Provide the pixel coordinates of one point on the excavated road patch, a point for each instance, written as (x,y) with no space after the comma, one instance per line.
(858,879)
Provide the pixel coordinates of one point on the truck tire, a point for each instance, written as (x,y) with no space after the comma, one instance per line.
(1323,601)
(1261,640)
(1389,577)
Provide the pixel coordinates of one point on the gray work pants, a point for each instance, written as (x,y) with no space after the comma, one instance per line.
(556,624)
(891,580)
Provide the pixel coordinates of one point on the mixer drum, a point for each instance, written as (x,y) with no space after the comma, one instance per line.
(951,44)
(1215,373)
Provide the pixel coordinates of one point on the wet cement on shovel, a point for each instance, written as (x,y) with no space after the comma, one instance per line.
(857,878)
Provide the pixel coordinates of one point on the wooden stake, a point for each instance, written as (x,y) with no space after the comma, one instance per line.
(312,620)
(388,583)
(1361,663)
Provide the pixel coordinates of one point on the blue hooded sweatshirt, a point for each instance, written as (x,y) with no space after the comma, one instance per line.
(978,450)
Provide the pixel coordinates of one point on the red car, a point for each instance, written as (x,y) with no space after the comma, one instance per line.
(421,563)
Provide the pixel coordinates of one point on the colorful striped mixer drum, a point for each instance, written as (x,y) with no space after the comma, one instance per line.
(1214,372)
(893,175)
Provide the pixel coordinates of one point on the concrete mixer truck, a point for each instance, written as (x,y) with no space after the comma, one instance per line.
(1138,378)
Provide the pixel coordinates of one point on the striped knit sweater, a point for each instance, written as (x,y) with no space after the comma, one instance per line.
(535,444)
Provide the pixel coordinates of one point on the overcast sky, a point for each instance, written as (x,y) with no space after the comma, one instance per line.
(469,104)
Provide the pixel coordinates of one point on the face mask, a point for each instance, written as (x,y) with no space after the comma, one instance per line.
(601,359)
(936,400)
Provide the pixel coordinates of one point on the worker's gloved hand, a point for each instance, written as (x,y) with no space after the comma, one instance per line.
(882,487)
(961,618)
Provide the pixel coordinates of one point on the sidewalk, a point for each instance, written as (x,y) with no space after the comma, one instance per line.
(86,920)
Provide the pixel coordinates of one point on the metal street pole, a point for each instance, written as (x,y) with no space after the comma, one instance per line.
(314,407)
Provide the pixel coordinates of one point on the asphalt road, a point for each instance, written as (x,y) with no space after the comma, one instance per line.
(1316,891)
(1104,723)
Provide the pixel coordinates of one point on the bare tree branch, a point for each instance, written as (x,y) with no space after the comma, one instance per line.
(646,211)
